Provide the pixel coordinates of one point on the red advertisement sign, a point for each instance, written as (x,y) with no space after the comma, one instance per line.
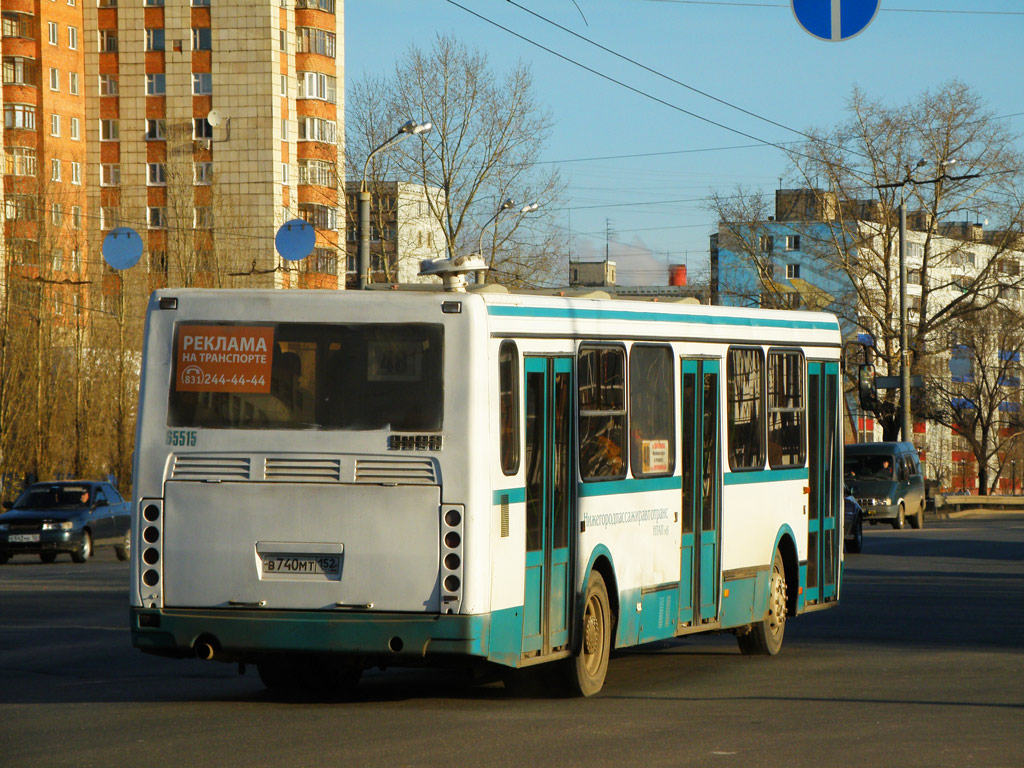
(224,358)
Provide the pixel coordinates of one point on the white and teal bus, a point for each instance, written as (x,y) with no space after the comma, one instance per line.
(328,481)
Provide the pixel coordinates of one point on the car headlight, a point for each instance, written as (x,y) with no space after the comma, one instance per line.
(887,502)
(66,525)
(4,526)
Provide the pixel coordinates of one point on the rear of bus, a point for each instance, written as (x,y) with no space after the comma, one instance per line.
(300,491)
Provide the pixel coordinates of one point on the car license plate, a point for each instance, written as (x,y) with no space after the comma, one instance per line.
(293,564)
(23,537)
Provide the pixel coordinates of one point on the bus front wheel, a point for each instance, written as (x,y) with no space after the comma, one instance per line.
(588,668)
(765,636)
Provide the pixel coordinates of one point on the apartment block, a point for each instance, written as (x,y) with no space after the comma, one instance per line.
(45,175)
(404,230)
(210,125)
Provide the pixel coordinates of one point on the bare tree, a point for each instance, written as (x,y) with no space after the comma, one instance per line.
(943,154)
(975,389)
(488,133)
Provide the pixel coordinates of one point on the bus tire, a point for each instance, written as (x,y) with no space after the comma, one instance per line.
(765,637)
(588,668)
(901,518)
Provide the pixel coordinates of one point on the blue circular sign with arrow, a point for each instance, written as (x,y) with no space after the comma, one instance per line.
(835,20)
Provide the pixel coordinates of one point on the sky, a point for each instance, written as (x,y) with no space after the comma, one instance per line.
(642,154)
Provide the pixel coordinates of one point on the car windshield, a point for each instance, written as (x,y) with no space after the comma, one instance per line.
(869,467)
(54,497)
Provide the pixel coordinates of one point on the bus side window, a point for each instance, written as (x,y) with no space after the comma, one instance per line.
(602,413)
(652,415)
(745,392)
(508,406)
(786,442)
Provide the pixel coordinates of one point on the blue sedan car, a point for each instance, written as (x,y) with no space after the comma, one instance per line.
(70,516)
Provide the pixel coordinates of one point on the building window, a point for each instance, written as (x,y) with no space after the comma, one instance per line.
(316,5)
(156,174)
(318,129)
(156,217)
(203,217)
(284,85)
(320,216)
(154,3)
(56,259)
(200,3)
(317,85)
(201,128)
(202,38)
(602,412)
(109,218)
(508,407)
(73,38)
(76,223)
(54,79)
(745,393)
(20,207)
(75,134)
(284,129)
(202,83)
(19,71)
(155,39)
(20,116)
(156,84)
(652,415)
(20,161)
(73,83)
(203,173)
(56,214)
(109,130)
(108,41)
(76,172)
(319,172)
(792,242)
(156,130)
(55,168)
(323,261)
(792,270)
(108,85)
(110,174)
(314,40)
(766,243)
(17,25)
(55,125)
(107,3)
(284,173)
(52,33)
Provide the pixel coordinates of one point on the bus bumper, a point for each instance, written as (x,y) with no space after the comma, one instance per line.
(243,635)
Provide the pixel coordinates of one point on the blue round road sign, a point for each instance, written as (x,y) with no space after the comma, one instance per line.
(295,239)
(122,248)
(835,20)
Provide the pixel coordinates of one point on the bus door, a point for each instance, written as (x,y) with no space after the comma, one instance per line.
(701,495)
(548,457)
(825,476)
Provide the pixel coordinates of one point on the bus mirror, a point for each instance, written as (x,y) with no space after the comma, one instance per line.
(867,387)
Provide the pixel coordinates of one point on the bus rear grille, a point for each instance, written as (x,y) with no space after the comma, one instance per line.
(303,469)
(192,467)
(396,471)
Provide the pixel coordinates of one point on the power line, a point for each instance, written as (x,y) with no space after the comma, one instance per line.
(882,10)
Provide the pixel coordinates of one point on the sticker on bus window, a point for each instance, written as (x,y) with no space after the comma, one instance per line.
(224,358)
(655,456)
(395,361)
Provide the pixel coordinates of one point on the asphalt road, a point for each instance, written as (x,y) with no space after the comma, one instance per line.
(922,664)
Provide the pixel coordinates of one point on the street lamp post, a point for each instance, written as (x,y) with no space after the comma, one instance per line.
(963,476)
(1013,476)
(505,206)
(410,128)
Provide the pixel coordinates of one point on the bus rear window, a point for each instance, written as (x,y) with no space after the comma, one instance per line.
(308,376)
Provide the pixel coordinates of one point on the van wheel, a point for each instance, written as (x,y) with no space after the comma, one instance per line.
(765,637)
(917,521)
(901,518)
(587,670)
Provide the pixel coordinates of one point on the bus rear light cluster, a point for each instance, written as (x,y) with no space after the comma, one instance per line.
(452,518)
(149,549)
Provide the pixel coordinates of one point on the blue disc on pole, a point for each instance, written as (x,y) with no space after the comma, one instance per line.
(295,240)
(122,248)
(835,20)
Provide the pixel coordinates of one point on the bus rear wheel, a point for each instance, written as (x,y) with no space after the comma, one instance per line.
(587,669)
(765,636)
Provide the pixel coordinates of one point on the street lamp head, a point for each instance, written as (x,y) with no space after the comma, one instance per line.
(413,128)
(507,204)
(529,208)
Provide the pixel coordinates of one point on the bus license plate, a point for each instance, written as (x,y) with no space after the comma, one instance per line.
(291,564)
(23,537)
